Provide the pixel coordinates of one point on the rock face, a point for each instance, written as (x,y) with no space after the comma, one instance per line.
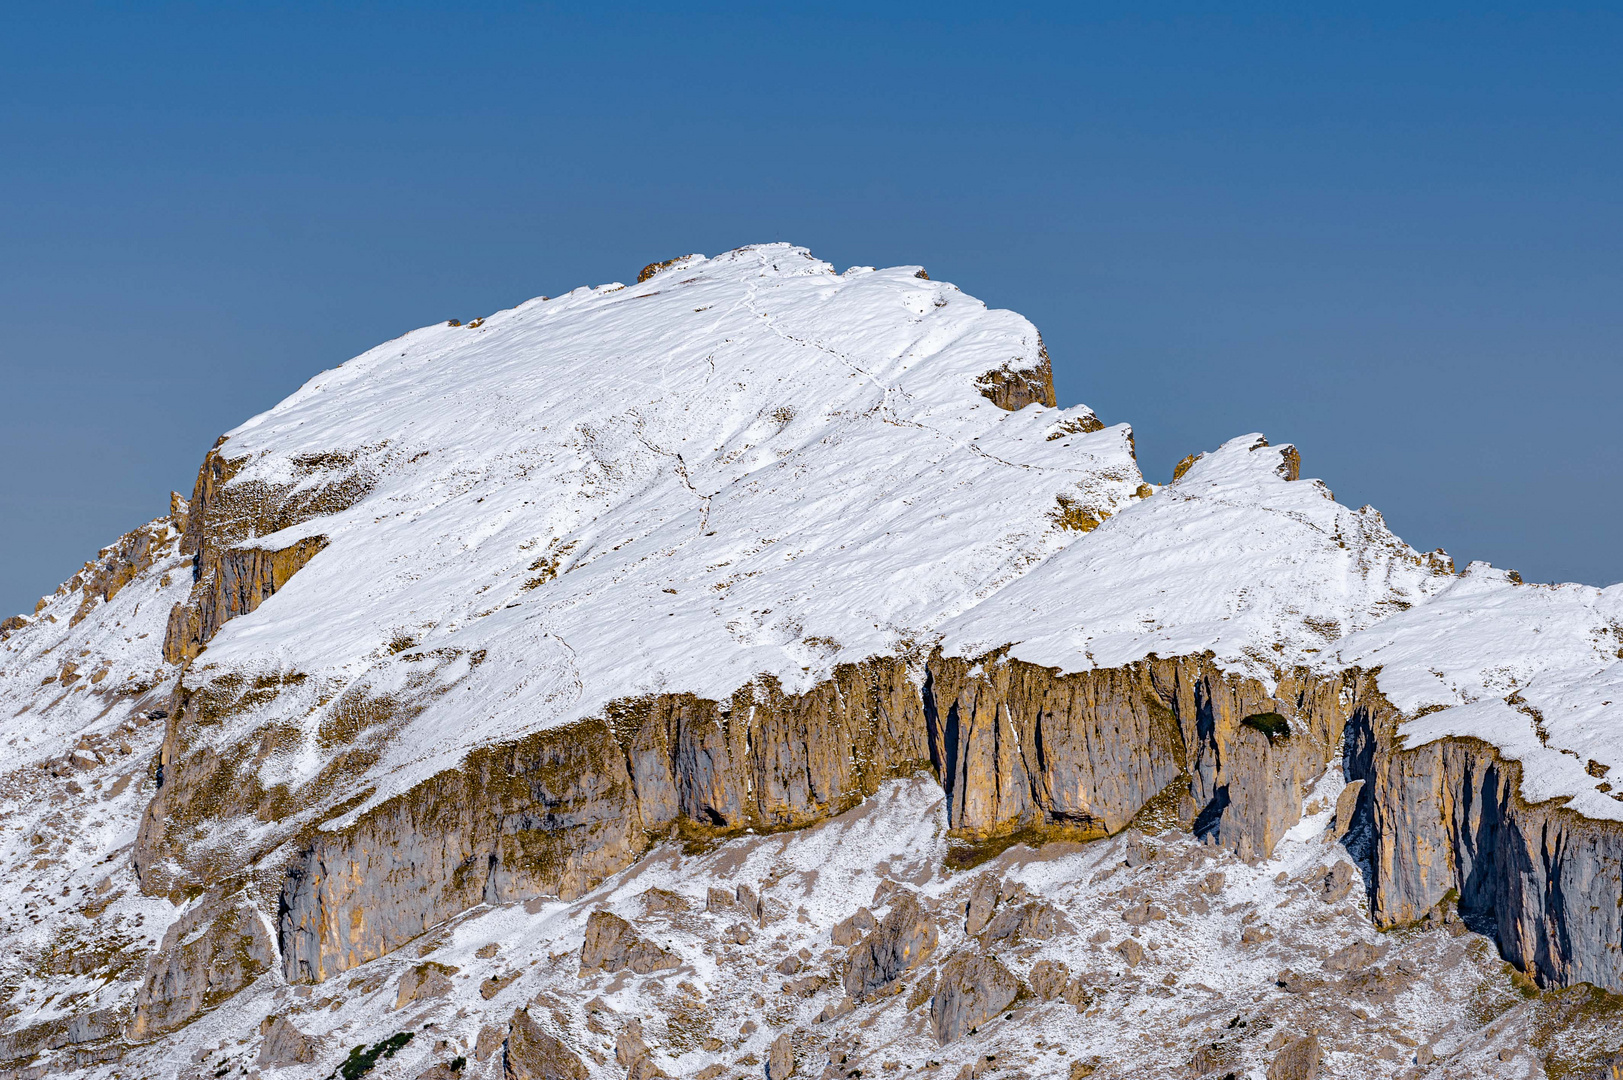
(970,991)
(232,578)
(530,1053)
(1298,1060)
(1447,816)
(1014,386)
(422,982)
(903,940)
(207,955)
(611,945)
(1022,747)
(560,811)
(284,1044)
(552,814)
(780,1063)
(294,815)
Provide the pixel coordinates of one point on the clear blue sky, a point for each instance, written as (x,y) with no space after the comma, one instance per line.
(1390,235)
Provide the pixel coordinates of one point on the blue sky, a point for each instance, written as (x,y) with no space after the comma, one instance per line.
(1390,236)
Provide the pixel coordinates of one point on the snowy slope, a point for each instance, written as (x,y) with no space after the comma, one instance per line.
(1536,670)
(1232,557)
(745,465)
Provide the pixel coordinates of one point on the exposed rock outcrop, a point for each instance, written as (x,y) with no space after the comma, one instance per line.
(551,815)
(1013,386)
(532,1053)
(612,945)
(209,954)
(242,579)
(283,1044)
(902,941)
(231,576)
(1450,825)
(971,990)
(1022,747)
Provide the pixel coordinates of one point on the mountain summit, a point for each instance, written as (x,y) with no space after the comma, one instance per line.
(752,670)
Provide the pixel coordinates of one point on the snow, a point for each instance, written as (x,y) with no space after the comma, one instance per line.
(1231,558)
(748,465)
(1496,659)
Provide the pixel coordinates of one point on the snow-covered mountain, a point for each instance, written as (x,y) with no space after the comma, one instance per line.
(555,690)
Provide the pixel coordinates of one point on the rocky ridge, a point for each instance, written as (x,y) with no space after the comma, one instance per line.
(471,743)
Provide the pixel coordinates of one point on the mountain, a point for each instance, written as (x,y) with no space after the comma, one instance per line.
(751,671)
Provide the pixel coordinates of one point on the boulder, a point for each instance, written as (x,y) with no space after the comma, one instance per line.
(611,945)
(972,989)
(850,931)
(900,943)
(283,1044)
(1299,1060)
(633,1054)
(1353,957)
(982,900)
(780,1061)
(751,903)
(1346,806)
(1338,883)
(1048,979)
(1034,919)
(422,982)
(532,1054)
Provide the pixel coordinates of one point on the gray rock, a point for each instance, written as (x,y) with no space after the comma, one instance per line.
(844,1007)
(628,1045)
(780,1061)
(1034,919)
(900,943)
(1354,957)
(1346,805)
(1299,1060)
(284,1044)
(208,954)
(422,982)
(850,931)
(983,897)
(1137,915)
(1338,883)
(751,903)
(532,1054)
(1131,951)
(611,945)
(1048,979)
(1137,852)
(972,989)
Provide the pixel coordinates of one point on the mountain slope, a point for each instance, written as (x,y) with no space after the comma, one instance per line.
(487,626)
